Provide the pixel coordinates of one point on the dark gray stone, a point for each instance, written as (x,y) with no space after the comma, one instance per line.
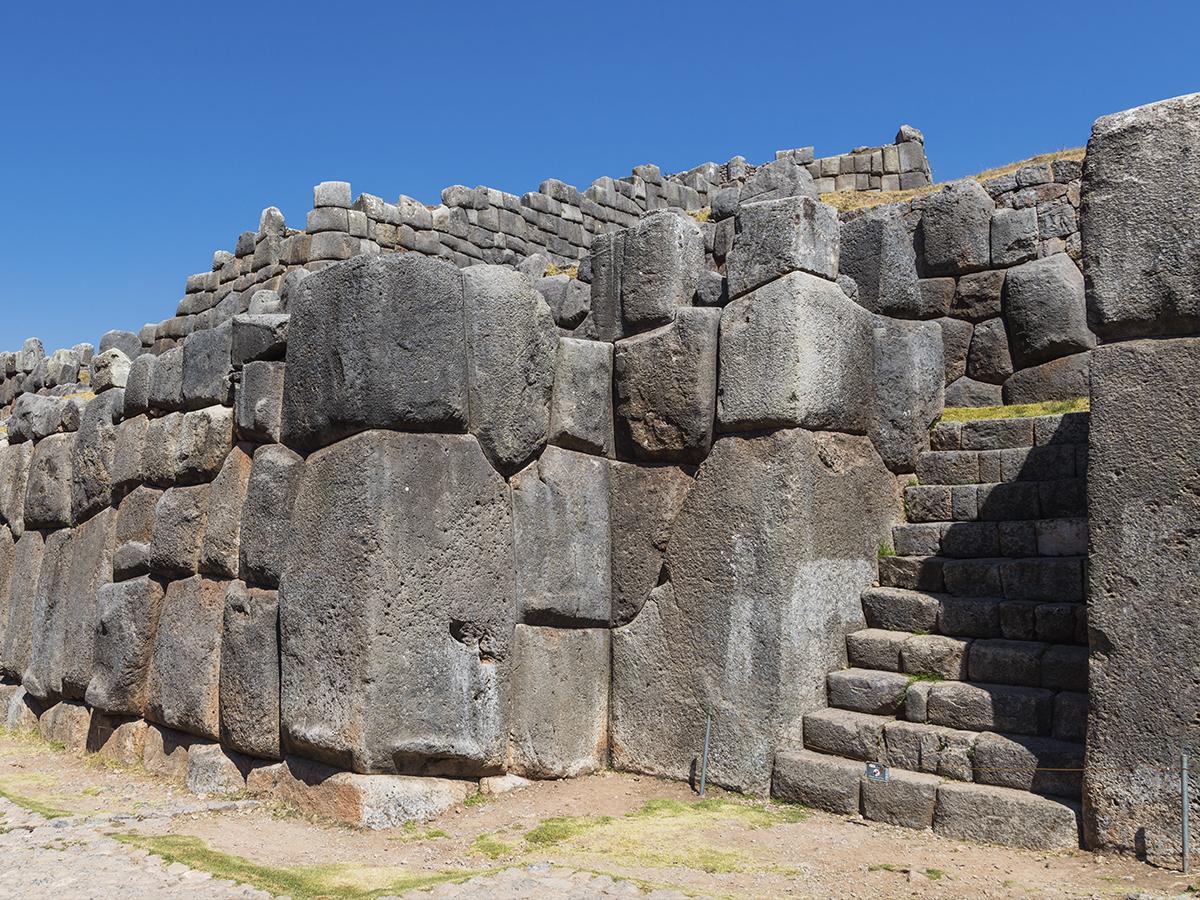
(581,411)
(133,533)
(266,516)
(1014,236)
(877,253)
(138,385)
(43,673)
(48,490)
(979,296)
(956,343)
(776,180)
(220,551)
(125,341)
(14,477)
(259,402)
(126,621)
(816,780)
(89,568)
(956,229)
(259,337)
(184,684)
(969,392)
(1005,816)
(28,555)
(662,264)
(93,454)
(249,677)
(988,359)
(1065,378)
(909,391)
(1045,311)
(777,237)
(179,521)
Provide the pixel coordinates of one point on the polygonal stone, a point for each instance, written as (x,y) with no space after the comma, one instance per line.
(133,532)
(124,342)
(259,337)
(816,780)
(110,369)
(663,260)
(989,359)
(48,490)
(1004,816)
(18,624)
(93,454)
(877,252)
(906,799)
(42,677)
(139,384)
(88,569)
(205,437)
(777,237)
(185,673)
(1045,310)
(166,381)
(211,769)
(909,389)
(956,229)
(259,402)
(179,521)
(1014,236)
(1065,378)
(14,475)
(220,552)
(581,411)
(250,671)
(266,532)
(127,618)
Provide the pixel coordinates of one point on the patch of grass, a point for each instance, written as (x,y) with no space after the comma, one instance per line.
(337,882)
(914,677)
(410,833)
(555,269)
(934,874)
(885,550)
(92,791)
(34,806)
(1016,411)
(1071,153)
(913,482)
(886,867)
(921,632)
(476,799)
(563,828)
(701,215)
(756,815)
(492,847)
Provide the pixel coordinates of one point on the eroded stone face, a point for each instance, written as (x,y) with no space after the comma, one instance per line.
(397,606)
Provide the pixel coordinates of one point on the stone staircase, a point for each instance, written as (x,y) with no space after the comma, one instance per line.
(970,679)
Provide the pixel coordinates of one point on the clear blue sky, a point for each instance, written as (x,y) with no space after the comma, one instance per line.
(136,138)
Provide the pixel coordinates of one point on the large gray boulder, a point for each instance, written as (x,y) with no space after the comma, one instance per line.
(93,454)
(512,343)
(126,621)
(796,234)
(180,518)
(220,553)
(1142,514)
(205,438)
(375,342)
(397,607)
(14,475)
(777,180)
(126,342)
(34,416)
(909,389)
(955,229)
(559,719)
(666,383)
(662,264)
(1140,202)
(133,533)
(561,535)
(259,401)
(43,673)
(756,611)
(1045,310)
(795,352)
(207,365)
(48,490)
(250,671)
(89,568)
(1065,378)
(138,385)
(581,406)
(28,555)
(186,669)
(877,253)
(266,522)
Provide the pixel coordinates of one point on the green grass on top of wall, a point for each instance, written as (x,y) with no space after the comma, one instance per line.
(1017,411)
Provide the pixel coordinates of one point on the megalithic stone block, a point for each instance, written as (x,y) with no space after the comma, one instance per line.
(48,491)
(27,566)
(8,558)
(259,401)
(1045,310)
(397,607)
(581,406)
(876,251)
(250,671)
(512,343)
(266,532)
(43,673)
(375,343)
(89,568)
(133,533)
(909,389)
(775,237)
(608,267)
(127,614)
(220,554)
(955,229)
(186,669)
(662,264)
(128,466)
(93,454)
(14,475)
(207,362)
(180,518)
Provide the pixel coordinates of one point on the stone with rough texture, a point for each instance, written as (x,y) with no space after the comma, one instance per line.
(778,179)
(512,344)
(42,677)
(220,551)
(134,531)
(376,342)
(581,407)
(877,252)
(165,752)
(796,352)
(249,680)
(1065,378)
(127,618)
(186,667)
(179,522)
(989,359)
(665,382)
(93,454)
(1045,311)
(909,389)
(28,553)
(261,337)
(125,342)
(1004,816)
(1014,236)
(88,569)
(399,540)
(110,369)
(969,392)
(559,720)
(755,612)
(777,237)
(955,229)
(66,724)
(211,769)
(14,476)
(121,739)
(1139,205)
(205,437)
(259,402)
(206,365)
(266,532)
(663,260)
(906,799)
(48,489)
(816,780)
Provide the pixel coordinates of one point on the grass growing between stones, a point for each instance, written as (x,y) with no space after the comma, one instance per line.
(337,882)
(1017,411)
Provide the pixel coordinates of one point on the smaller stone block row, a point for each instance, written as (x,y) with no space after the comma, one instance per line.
(995,534)
(905,609)
(1056,462)
(1006,501)
(999,434)
(962,811)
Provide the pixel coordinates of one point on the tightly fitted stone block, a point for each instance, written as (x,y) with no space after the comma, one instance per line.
(778,179)
(906,799)
(989,358)
(260,337)
(166,381)
(608,267)
(35,416)
(1045,311)
(1065,378)
(93,454)
(956,343)
(867,691)
(875,648)
(796,352)
(561,535)
(110,369)
(160,455)
(48,489)
(220,550)
(126,623)
(877,253)
(133,533)
(665,383)
(207,363)
(375,343)
(662,262)
(185,671)
(930,748)
(840,732)
(1014,236)
(180,517)
(138,385)
(205,436)
(125,342)
(259,401)
(692,647)
(581,410)
(1140,197)
(86,571)
(512,344)
(266,529)
(249,680)
(1038,764)
(66,724)
(121,739)
(956,229)
(979,296)
(401,540)
(777,237)
(165,752)
(1003,816)
(211,769)
(28,554)
(909,389)
(42,677)
(822,782)
(14,475)
(991,707)
(559,721)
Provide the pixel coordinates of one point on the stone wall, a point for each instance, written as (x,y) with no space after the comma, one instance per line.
(899,166)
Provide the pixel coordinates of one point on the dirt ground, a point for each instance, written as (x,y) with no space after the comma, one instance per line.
(640,831)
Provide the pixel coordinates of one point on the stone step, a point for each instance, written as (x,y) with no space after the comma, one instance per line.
(1000,661)
(932,612)
(1048,537)
(1038,579)
(999,434)
(918,800)
(1043,765)
(1004,501)
(1054,463)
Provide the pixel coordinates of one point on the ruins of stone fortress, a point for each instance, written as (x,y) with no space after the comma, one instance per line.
(418,496)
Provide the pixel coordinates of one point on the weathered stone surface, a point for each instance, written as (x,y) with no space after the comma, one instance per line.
(180,517)
(561,537)
(26,568)
(207,361)
(867,691)
(35,416)
(211,769)
(956,343)
(662,263)
(160,454)
(93,454)
(139,384)
(185,671)
(220,551)
(906,799)
(250,671)
(989,359)
(512,344)
(1140,202)
(134,531)
(559,720)
(110,370)
(978,296)
(581,411)
(48,490)
(778,179)
(259,337)
(259,402)
(127,618)
(796,352)
(66,724)
(666,383)
(956,229)
(816,780)
(777,237)
(124,342)
(165,752)
(375,343)
(753,616)
(14,475)
(1064,378)
(1004,816)
(89,568)
(402,540)
(969,392)
(121,739)
(1045,311)
(42,677)
(1014,236)
(1041,765)
(909,389)
(205,437)
(266,532)
(877,252)
(166,381)
(569,299)
(608,266)
(1142,511)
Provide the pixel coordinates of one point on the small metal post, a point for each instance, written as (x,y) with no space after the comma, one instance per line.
(1183,790)
(704,759)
